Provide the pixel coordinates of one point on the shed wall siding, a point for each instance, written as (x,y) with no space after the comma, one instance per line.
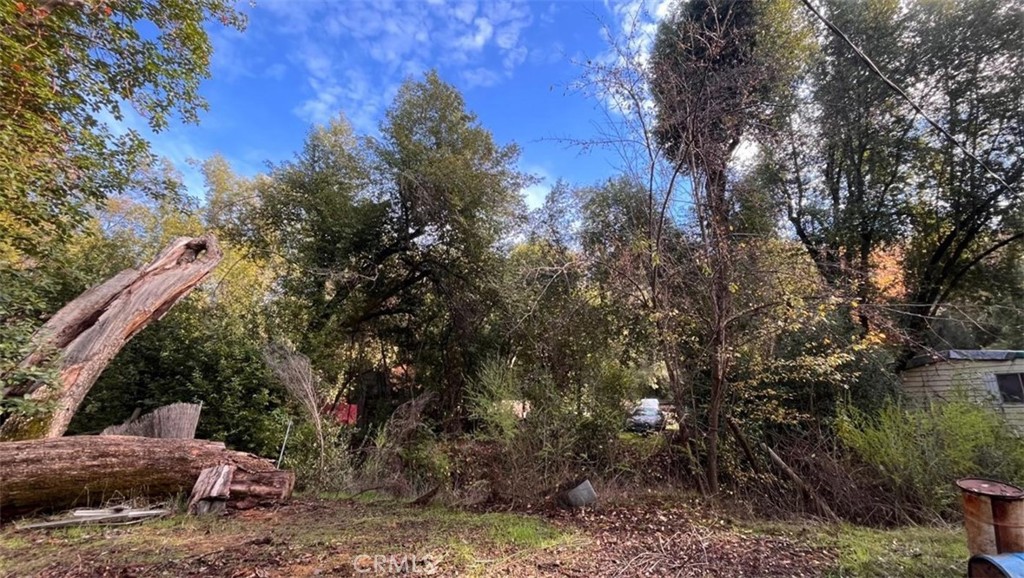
(939,381)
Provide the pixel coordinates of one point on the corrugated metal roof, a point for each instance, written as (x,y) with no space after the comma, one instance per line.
(965,355)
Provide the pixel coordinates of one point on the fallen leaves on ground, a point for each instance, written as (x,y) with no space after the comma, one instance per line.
(315,537)
(639,541)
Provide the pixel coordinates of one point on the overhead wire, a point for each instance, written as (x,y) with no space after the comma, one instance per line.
(899,91)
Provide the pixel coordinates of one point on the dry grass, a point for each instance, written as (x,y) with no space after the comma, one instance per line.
(295,372)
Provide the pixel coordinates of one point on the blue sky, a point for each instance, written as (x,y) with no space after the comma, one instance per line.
(301,62)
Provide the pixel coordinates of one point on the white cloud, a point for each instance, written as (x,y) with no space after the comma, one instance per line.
(319,109)
(515,17)
(382,42)
(315,60)
(535,194)
(638,20)
(549,54)
(548,16)
(479,38)
(514,58)
(480,77)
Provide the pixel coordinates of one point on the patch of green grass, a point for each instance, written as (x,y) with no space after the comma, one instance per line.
(326,532)
(460,554)
(911,551)
(522,532)
(13,541)
(502,529)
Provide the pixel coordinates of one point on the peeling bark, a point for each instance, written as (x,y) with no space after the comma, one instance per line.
(88,332)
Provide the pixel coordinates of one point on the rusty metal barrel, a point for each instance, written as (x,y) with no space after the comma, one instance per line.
(993,516)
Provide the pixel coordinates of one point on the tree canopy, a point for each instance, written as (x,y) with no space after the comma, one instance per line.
(70,72)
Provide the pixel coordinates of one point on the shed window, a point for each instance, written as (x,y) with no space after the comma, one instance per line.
(1011,387)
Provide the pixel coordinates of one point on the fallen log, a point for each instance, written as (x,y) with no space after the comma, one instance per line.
(88,332)
(54,474)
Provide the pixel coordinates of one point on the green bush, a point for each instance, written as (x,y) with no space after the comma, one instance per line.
(565,434)
(920,452)
(424,464)
(488,399)
(199,352)
(331,474)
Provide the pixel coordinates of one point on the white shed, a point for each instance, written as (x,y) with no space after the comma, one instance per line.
(986,375)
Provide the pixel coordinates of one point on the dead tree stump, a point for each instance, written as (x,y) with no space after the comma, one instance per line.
(88,332)
(175,421)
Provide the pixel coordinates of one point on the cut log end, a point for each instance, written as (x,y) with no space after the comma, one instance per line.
(222,486)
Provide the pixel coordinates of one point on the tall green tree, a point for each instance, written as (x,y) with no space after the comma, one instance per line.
(860,174)
(395,238)
(719,67)
(456,193)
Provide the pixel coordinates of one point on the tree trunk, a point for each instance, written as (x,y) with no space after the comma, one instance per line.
(88,332)
(714,415)
(720,256)
(52,474)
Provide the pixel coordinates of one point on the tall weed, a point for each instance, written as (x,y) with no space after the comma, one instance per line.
(919,452)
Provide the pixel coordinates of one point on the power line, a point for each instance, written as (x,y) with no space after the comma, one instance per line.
(917,108)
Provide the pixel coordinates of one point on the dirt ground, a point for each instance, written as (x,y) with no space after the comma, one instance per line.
(338,537)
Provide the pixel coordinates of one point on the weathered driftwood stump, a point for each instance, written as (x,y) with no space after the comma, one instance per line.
(88,332)
(54,474)
(177,421)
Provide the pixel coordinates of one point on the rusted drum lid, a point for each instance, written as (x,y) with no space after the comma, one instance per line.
(990,488)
